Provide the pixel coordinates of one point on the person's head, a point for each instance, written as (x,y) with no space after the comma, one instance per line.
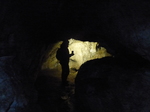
(65,43)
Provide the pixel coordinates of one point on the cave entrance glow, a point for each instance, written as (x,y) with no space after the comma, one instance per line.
(83,51)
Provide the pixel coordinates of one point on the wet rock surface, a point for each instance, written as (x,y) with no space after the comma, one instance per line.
(113,85)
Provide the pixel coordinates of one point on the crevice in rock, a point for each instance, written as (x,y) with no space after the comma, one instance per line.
(9,106)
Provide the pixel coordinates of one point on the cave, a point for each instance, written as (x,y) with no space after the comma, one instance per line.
(83,51)
(109,70)
(51,73)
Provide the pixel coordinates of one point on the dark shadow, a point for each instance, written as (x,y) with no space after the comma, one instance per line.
(48,92)
(51,96)
(63,57)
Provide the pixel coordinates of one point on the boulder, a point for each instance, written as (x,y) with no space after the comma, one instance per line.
(113,85)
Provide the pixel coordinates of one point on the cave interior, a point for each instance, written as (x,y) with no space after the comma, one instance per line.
(32,32)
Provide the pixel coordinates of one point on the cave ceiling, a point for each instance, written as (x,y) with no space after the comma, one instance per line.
(121,24)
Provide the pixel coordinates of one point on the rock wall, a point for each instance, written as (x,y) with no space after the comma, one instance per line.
(112,85)
(27,28)
(124,25)
(7,91)
(20,58)
(83,51)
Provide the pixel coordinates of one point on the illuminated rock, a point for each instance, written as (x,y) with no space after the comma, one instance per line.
(83,51)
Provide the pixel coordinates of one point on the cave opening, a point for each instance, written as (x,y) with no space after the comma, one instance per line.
(52,95)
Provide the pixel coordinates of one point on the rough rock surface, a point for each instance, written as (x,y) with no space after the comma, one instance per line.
(113,85)
(19,61)
(128,26)
(7,93)
(83,51)
(26,29)
(16,94)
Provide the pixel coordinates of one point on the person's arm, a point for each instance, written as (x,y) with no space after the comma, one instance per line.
(72,53)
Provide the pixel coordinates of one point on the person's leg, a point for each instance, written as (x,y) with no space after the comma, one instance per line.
(65,73)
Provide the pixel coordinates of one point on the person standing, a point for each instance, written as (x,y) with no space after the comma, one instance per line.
(63,56)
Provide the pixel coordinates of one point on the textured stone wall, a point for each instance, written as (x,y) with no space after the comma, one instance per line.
(83,51)
(19,60)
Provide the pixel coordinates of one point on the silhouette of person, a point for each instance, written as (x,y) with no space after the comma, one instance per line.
(63,57)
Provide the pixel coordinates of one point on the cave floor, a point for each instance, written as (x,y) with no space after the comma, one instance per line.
(52,96)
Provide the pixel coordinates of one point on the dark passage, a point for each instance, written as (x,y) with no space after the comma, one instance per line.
(53,97)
